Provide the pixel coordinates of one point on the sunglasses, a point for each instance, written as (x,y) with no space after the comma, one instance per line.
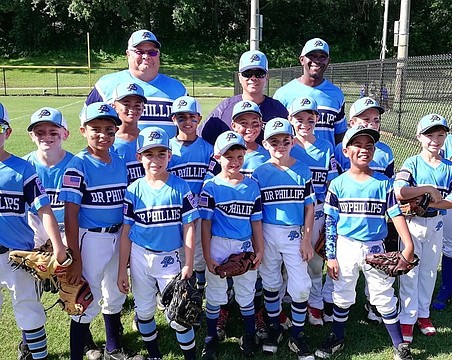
(151,53)
(258,73)
(3,128)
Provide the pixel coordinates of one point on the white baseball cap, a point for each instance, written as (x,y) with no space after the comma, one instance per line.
(140,36)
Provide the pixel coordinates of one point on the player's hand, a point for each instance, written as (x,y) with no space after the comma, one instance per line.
(408,254)
(258,259)
(60,254)
(435,195)
(123,282)
(211,265)
(333,269)
(74,272)
(307,251)
(187,272)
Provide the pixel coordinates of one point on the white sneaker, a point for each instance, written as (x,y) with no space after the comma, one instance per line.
(315,316)
(371,315)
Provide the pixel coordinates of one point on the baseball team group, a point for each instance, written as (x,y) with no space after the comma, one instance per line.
(158,191)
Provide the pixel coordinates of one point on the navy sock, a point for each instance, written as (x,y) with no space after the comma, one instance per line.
(77,334)
(273,306)
(392,324)
(200,280)
(37,342)
(212,314)
(340,320)
(148,332)
(112,331)
(298,312)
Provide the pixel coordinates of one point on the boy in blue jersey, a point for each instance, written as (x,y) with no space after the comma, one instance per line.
(22,191)
(92,190)
(288,217)
(427,172)
(355,208)
(190,159)
(230,208)
(159,219)
(129,103)
(318,154)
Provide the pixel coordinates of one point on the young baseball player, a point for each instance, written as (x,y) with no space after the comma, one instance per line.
(230,208)
(288,216)
(190,160)
(159,217)
(367,112)
(318,154)
(92,191)
(22,191)
(427,172)
(445,292)
(129,103)
(355,208)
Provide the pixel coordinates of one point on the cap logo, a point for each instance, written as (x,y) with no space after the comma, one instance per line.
(318,43)
(246,105)
(44,113)
(132,87)
(231,136)
(103,109)
(305,101)
(154,135)
(255,57)
(369,102)
(277,124)
(435,118)
(147,35)
(360,127)
(181,103)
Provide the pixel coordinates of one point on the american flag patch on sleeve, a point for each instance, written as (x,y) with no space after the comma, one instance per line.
(203,201)
(71,180)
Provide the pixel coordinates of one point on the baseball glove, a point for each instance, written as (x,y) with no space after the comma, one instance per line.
(415,206)
(320,245)
(74,299)
(392,263)
(183,301)
(236,264)
(41,264)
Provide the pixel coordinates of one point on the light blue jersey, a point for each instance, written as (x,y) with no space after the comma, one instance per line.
(97,187)
(446,151)
(383,160)
(285,193)
(51,178)
(320,159)
(21,190)
(190,161)
(253,160)
(128,150)
(330,101)
(157,216)
(359,208)
(416,171)
(160,92)
(231,208)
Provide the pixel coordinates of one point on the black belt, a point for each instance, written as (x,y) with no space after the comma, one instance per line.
(3,249)
(110,229)
(318,202)
(431,214)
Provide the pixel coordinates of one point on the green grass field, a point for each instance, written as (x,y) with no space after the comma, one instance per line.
(363,342)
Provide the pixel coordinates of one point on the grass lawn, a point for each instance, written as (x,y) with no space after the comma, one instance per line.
(363,342)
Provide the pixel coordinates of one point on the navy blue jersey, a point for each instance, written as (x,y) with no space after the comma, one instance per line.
(157,216)
(97,187)
(21,190)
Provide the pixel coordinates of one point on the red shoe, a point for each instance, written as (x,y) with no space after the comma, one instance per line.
(315,316)
(407,333)
(284,321)
(221,323)
(426,326)
(260,326)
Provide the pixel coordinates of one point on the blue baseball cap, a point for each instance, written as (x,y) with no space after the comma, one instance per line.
(253,59)
(278,126)
(152,137)
(429,121)
(357,131)
(244,107)
(4,117)
(315,44)
(226,140)
(123,90)
(47,114)
(186,104)
(140,36)
(363,104)
(99,110)
(303,103)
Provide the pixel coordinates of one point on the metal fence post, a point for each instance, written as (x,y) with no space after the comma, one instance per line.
(4,80)
(193,82)
(57,84)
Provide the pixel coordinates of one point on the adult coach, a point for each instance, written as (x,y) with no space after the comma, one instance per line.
(143,57)
(253,73)
(314,59)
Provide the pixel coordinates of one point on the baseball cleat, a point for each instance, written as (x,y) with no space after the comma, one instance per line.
(315,316)
(426,326)
(407,333)
(331,346)
(402,352)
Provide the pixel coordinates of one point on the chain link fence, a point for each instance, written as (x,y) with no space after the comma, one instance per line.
(408,89)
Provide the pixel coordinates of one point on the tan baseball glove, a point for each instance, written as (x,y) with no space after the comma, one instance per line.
(74,299)
(415,206)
